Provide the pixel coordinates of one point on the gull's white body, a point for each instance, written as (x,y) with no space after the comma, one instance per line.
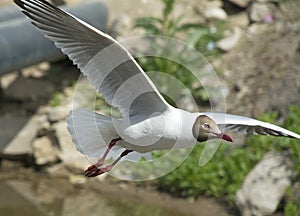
(171,129)
(167,130)
(149,122)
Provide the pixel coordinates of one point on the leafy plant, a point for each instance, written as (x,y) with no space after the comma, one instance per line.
(224,174)
(292,207)
(56,99)
(194,34)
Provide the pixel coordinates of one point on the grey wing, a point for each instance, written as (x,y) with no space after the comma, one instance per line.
(249,126)
(109,67)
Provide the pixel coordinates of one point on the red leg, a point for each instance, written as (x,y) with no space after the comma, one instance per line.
(108,167)
(100,162)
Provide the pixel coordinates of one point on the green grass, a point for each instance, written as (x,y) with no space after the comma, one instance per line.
(292,209)
(224,174)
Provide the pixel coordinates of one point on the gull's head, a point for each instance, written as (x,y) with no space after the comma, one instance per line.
(205,128)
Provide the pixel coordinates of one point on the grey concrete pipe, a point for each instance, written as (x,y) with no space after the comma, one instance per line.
(22,45)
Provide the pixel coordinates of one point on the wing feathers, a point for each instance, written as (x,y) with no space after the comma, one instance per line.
(97,55)
(249,126)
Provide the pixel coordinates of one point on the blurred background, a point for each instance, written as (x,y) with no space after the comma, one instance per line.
(254,47)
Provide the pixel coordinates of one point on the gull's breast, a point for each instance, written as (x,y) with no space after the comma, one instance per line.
(158,132)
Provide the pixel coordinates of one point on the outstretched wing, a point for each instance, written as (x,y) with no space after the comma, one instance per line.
(249,126)
(109,67)
(243,125)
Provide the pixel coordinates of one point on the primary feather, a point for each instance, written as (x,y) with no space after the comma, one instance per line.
(109,67)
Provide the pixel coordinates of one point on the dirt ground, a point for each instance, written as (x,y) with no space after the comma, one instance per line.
(265,69)
(48,190)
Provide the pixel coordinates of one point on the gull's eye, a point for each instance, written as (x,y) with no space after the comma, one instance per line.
(206,126)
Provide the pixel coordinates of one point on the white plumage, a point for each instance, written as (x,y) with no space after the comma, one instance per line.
(148,122)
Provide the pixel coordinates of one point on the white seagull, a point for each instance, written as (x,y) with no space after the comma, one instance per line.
(148,122)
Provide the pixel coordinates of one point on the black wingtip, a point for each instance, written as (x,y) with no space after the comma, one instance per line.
(19,3)
(26,5)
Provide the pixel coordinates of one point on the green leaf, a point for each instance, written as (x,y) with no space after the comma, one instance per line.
(149,19)
(149,28)
(169,5)
(188,26)
(149,24)
(195,37)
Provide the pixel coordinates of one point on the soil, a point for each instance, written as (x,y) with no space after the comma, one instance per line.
(48,190)
(263,72)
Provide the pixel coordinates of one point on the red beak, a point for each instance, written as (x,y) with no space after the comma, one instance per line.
(225,137)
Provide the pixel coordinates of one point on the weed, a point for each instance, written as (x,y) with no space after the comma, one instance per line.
(224,174)
(194,34)
(56,99)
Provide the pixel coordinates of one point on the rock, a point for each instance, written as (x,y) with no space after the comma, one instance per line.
(240,20)
(43,110)
(59,170)
(208,10)
(231,41)
(265,185)
(22,142)
(255,29)
(74,161)
(44,129)
(7,79)
(23,89)
(208,4)
(260,12)
(77,179)
(241,3)
(58,113)
(68,92)
(44,151)
(215,13)
(9,127)
(36,71)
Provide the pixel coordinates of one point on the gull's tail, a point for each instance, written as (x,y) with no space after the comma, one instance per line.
(92,132)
